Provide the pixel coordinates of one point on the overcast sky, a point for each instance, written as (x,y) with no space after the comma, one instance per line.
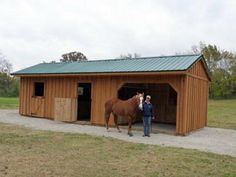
(32,31)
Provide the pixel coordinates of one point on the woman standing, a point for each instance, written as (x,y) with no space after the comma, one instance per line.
(147,116)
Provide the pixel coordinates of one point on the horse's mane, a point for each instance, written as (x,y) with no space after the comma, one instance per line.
(129,99)
(133,99)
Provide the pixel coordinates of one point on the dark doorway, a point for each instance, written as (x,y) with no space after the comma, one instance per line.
(84,101)
(164,100)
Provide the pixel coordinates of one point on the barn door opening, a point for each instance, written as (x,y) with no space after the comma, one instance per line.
(164,100)
(84,101)
(37,100)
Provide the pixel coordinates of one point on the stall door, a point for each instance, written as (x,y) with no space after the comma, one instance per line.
(65,109)
(37,100)
(37,106)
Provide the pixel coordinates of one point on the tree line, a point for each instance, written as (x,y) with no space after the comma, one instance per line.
(221,64)
(9,86)
(222,67)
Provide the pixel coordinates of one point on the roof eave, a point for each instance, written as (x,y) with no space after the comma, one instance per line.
(175,72)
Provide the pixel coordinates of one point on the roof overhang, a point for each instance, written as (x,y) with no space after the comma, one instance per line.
(101,74)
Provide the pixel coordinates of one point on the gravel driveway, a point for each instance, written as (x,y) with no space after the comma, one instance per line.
(216,140)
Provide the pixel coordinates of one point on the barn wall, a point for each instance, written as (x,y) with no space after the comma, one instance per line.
(198,70)
(197,97)
(26,92)
(103,88)
(53,87)
(197,103)
(58,87)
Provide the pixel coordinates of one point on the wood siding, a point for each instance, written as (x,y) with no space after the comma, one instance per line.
(197,97)
(37,106)
(26,93)
(192,94)
(198,70)
(65,109)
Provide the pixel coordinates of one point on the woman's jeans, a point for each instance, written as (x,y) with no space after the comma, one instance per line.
(146,125)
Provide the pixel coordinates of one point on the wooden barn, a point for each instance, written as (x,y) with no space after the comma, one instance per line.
(74,91)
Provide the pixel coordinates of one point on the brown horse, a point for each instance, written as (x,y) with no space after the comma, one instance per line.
(126,109)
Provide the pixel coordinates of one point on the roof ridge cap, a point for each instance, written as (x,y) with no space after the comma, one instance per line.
(119,59)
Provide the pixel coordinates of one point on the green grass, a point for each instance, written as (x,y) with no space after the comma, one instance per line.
(222,113)
(26,152)
(9,103)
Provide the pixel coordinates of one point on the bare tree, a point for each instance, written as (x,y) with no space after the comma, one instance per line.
(5,65)
(129,56)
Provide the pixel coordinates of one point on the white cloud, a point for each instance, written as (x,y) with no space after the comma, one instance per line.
(32,31)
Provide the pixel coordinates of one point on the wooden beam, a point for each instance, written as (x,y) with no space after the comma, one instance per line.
(197,77)
(104,74)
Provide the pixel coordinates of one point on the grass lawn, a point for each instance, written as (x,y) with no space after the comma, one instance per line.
(222,113)
(26,152)
(9,103)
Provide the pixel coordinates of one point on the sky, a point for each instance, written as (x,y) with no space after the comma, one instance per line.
(33,31)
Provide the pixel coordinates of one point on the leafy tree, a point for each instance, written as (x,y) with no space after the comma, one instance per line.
(73,56)
(233,70)
(222,65)
(223,85)
(9,86)
(215,57)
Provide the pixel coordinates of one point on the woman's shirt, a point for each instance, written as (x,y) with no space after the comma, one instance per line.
(147,110)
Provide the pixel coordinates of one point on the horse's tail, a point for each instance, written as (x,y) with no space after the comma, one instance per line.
(108,110)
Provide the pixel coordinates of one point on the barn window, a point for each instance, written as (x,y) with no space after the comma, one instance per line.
(38,89)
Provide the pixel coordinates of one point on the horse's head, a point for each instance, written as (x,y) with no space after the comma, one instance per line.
(140,97)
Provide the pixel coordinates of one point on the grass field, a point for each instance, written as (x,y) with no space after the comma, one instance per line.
(9,103)
(221,113)
(25,152)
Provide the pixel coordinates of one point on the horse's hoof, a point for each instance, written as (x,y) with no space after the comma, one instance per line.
(119,131)
(130,134)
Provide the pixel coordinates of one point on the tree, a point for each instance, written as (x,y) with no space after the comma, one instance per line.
(233,70)
(73,56)
(9,86)
(5,65)
(215,57)
(222,66)
(129,56)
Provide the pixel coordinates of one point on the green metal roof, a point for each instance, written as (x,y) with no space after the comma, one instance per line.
(144,64)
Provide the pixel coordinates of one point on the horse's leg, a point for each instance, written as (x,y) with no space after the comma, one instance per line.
(129,129)
(107,116)
(116,122)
